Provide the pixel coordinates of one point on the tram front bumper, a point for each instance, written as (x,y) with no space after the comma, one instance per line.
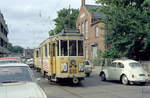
(71,76)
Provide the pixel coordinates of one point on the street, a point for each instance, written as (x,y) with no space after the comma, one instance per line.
(92,87)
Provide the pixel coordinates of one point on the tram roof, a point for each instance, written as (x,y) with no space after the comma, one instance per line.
(66,32)
(69,32)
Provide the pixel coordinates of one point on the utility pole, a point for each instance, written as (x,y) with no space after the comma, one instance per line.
(69,18)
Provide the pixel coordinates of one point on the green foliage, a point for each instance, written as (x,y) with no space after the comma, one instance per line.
(15,49)
(66,19)
(128,24)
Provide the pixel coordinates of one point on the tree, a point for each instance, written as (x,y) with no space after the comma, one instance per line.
(66,19)
(15,49)
(128,24)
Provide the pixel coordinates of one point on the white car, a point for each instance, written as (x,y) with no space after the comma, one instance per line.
(126,71)
(4,60)
(17,81)
(30,62)
(88,67)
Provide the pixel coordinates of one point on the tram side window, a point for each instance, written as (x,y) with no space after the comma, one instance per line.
(57,48)
(72,48)
(54,50)
(40,54)
(37,54)
(49,49)
(80,48)
(45,50)
(64,51)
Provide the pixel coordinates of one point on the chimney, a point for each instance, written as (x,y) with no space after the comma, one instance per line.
(83,2)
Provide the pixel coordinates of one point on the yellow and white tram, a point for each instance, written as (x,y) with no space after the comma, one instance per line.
(61,56)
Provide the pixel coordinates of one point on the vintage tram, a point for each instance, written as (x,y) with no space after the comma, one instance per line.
(61,56)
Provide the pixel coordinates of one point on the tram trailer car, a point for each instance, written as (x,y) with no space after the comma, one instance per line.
(38,59)
(62,56)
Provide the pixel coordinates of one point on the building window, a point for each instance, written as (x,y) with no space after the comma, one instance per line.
(97,31)
(94,51)
(83,28)
(86,29)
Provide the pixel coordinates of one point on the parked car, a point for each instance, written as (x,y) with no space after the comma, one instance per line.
(126,71)
(88,67)
(30,62)
(4,60)
(17,81)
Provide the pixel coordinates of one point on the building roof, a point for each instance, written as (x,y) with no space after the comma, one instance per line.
(95,14)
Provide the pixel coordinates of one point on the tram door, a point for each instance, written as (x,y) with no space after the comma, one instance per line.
(73,52)
(53,59)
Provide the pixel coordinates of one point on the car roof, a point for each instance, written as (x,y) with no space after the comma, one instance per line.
(9,58)
(125,61)
(13,64)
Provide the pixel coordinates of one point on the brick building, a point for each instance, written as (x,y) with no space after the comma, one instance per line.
(92,29)
(3,37)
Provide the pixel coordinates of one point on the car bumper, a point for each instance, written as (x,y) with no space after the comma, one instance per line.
(140,80)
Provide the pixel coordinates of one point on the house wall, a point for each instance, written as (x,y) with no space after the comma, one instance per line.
(92,40)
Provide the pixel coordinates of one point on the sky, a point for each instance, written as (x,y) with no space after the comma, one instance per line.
(30,20)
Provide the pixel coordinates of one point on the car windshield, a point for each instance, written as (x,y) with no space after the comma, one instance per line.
(135,64)
(12,74)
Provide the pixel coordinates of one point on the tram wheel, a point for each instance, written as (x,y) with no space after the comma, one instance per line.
(75,80)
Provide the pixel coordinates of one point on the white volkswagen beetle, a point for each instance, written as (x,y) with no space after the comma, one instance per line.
(16,81)
(126,71)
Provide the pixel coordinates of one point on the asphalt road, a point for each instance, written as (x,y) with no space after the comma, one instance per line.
(92,87)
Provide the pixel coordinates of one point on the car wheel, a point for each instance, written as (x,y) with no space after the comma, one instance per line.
(124,80)
(103,78)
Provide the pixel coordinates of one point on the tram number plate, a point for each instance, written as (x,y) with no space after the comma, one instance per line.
(73,71)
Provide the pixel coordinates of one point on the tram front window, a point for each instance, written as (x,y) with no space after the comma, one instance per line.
(80,48)
(64,51)
(72,48)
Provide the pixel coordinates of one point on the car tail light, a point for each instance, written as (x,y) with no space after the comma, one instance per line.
(132,76)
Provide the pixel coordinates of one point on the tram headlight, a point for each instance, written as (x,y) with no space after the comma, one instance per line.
(81,67)
(64,68)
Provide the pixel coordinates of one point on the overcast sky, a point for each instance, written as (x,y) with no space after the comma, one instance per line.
(30,20)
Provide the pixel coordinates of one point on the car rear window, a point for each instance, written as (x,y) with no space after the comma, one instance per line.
(135,64)
(12,73)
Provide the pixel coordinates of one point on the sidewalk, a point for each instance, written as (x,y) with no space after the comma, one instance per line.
(96,70)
